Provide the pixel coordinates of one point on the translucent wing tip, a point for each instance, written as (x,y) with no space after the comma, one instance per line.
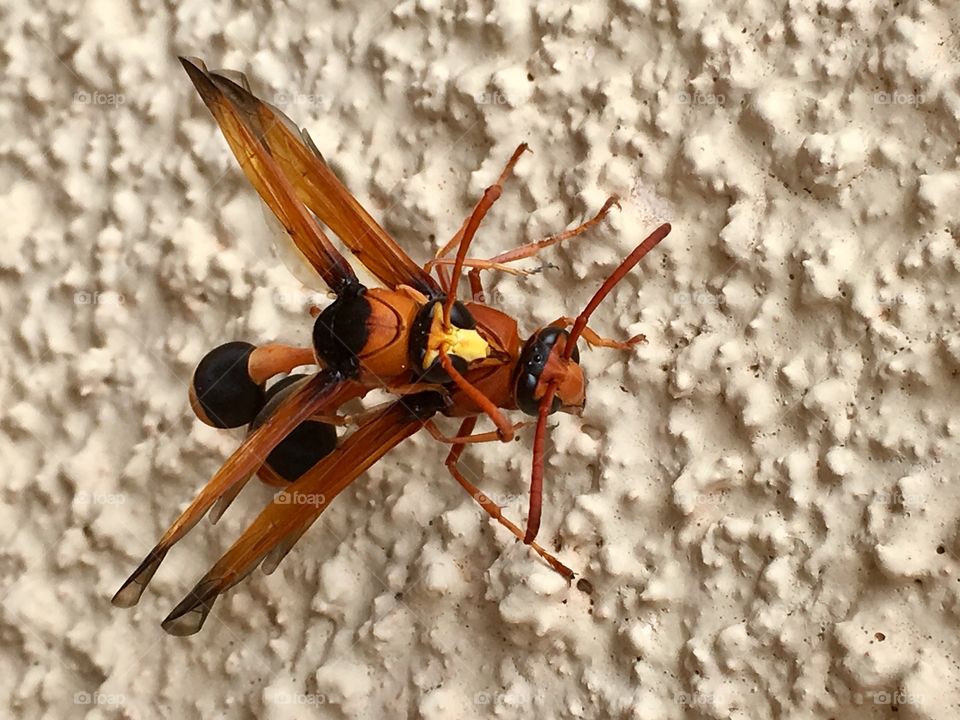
(131,591)
(192,65)
(189,615)
(273,558)
(234,76)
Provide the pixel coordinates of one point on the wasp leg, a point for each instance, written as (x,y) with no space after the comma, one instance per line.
(491,507)
(595,340)
(491,436)
(528,250)
(490,196)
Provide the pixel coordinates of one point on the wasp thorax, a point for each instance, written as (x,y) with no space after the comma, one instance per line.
(459,340)
(340,331)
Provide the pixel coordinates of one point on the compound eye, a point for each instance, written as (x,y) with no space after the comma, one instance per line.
(305,446)
(222,394)
(533,360)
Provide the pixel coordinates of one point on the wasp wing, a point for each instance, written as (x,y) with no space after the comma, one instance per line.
(321,393)
(245,137)
(293,510)
(320,190)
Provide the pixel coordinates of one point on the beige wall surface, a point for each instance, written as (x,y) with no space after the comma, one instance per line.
(764,495)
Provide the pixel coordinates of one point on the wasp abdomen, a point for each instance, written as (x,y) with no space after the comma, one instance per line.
(304,447)
(222,393)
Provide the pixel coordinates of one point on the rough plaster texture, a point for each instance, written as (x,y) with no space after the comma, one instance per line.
(765,497)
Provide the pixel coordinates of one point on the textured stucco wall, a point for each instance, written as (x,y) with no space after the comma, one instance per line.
(764,498)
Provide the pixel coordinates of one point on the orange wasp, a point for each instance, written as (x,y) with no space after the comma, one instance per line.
(412,338)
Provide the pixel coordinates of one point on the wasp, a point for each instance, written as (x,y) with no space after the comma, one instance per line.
(411,337)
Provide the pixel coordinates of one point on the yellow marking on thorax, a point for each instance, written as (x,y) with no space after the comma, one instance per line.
(467,344)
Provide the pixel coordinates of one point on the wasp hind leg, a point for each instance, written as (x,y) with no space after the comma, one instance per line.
(486,201)
(492,509)
(227,388)
(528,250)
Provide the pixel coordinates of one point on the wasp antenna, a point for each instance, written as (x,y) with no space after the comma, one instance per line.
(536,476)
(651,241)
